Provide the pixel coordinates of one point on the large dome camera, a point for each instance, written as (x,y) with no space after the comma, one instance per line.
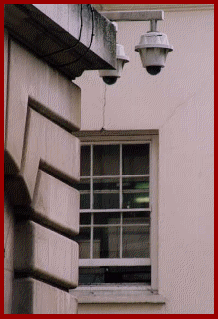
(153,49)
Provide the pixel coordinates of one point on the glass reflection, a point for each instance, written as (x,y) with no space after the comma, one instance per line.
(139,183)
(136,242)
(135,200)
(136,217)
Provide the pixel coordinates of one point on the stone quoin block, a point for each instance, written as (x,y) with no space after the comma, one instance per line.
(45,254)
(56,203)
(35,297)
(50,144)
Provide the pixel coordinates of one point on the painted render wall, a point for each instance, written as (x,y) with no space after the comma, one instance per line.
(179,103)
(41,210)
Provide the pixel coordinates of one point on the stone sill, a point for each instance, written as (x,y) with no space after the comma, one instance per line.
(116,294)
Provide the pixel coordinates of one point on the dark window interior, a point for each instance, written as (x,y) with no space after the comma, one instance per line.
(127,274)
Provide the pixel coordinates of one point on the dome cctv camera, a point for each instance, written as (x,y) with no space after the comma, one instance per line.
(153,49)
(110,76)
(153,69)
(110,79)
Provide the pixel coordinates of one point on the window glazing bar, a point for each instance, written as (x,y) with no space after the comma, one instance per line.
(91,204)
(154,215)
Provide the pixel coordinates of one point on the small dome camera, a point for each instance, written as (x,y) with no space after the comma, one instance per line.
(153,49)
(110,76)
(110,79)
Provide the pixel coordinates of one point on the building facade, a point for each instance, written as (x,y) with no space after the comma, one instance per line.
(145,145)
(176,106)
(46,46)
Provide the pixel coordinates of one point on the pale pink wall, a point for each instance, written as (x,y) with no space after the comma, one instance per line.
(178,102)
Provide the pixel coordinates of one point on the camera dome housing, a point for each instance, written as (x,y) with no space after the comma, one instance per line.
(111,76)
(110,79)
(153,69)
(153,49)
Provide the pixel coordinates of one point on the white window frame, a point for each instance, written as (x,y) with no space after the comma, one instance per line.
(133,137)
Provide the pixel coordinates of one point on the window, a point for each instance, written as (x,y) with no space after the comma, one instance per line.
(116,208)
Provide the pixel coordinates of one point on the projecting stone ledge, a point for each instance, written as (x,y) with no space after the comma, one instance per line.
(35,297)
(70,37)
(44,254)
(54,204)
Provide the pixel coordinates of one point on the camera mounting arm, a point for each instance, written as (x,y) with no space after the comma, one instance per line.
(147,15)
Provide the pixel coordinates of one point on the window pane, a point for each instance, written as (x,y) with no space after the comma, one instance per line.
(85,161)
(106,242)
(106,193)
(84,201)
(139,183)
(136,192)
(135,200)
(83,239)
(135,159)
(136,217)
(106,160)
(84,188)
(136,242)
(106,218)
(113,274)
(132,274)
(102,184)
(106,201)
(85,219)
(91,275)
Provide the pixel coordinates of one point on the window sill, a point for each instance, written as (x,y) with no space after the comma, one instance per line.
(116,294)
